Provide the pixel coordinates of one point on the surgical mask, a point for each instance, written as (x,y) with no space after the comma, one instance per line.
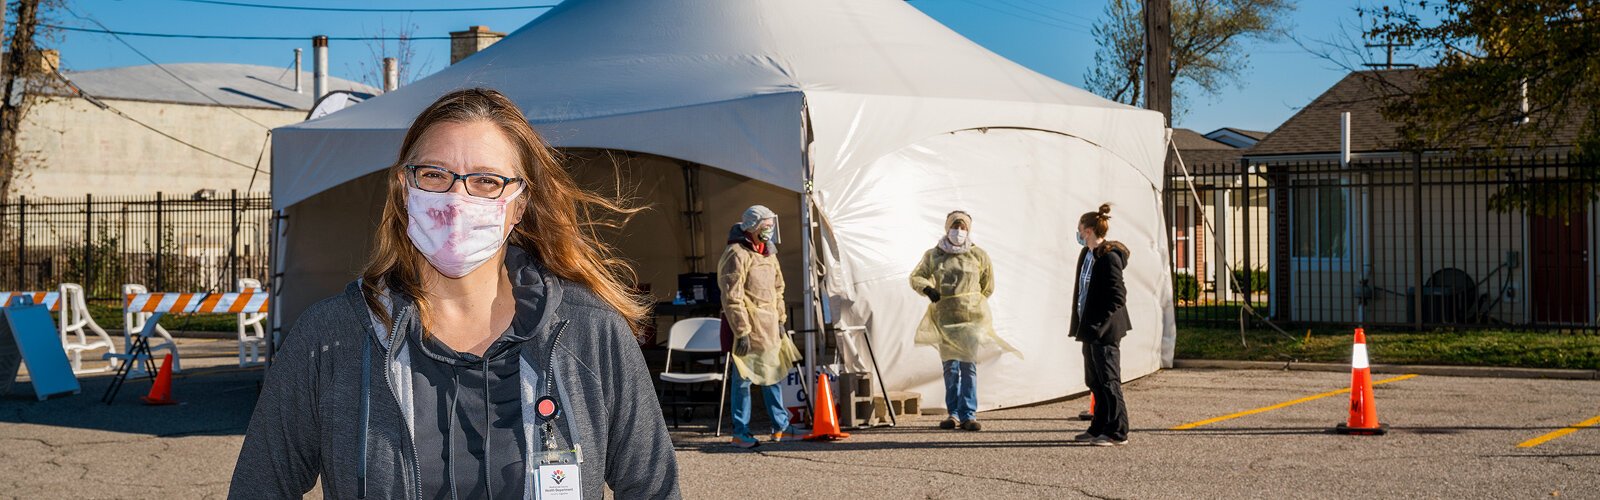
(1081,242)
(457,233)
(958,236)
(766,234)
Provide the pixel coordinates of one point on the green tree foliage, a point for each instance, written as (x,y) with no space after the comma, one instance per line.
(1507,76)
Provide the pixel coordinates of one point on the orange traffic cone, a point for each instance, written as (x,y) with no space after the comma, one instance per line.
(1363,408)
(825,426)
(161,391)
(1088,415)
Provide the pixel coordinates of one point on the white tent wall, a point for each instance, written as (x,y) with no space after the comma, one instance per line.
(1025,190)
(327,241)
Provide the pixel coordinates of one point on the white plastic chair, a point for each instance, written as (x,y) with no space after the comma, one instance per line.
(132,323)
(71,322)
(252,338)
(697,335)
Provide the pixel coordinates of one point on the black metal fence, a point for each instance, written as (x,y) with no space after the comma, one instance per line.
(1408,241)
(167,244)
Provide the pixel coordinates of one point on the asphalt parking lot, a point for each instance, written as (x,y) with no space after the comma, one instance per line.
(1449,437)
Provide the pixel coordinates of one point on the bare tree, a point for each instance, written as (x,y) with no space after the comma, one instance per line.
(397,43)
(1207,45)
(27,78)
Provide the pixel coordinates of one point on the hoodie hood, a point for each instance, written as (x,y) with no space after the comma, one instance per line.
(1113,246)
(537,293)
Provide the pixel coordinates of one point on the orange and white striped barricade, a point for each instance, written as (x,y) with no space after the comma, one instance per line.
(78,327)
(137,317)
(72,317)
(252,338)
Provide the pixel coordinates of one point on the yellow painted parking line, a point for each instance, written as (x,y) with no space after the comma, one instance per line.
(1562,432)
(1346,390)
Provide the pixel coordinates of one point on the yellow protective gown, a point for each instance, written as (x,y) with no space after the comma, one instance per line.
(960,323)
(752,302)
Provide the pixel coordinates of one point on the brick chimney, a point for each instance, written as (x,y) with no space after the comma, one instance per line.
(464,44)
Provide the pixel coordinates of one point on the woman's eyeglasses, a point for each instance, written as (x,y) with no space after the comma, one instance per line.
(438,180)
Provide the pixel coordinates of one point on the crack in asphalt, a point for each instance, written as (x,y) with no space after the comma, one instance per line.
(940,471)
(1572,467)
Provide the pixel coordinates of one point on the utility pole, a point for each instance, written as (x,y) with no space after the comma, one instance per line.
(1388,59)
(1158,88)
(1158,57)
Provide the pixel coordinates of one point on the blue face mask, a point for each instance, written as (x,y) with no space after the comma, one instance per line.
(1080,239)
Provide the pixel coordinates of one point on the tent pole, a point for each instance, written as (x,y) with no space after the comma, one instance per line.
(275,284)
(811,303)
(810,289)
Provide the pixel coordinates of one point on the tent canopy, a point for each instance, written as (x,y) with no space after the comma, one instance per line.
(719,83)
(893,119)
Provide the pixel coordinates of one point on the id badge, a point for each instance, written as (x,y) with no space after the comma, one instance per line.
(558,475)
(559,482)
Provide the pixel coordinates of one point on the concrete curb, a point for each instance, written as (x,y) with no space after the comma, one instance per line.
(1443,371)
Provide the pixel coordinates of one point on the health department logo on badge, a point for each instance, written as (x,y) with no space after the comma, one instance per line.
(558,476)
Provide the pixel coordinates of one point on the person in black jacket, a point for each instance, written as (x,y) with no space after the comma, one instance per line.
(1099,321)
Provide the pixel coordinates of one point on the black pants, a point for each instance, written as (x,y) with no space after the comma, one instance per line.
(1102,370)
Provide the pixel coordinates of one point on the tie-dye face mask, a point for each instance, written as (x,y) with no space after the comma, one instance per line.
(456,232)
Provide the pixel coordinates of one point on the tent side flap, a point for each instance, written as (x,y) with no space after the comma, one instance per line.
(758,137)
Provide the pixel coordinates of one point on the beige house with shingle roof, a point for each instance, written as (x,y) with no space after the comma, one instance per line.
(1223,200)
(1349,243)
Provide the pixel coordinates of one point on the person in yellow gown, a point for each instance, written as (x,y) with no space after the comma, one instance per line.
(957,277)
(753,306)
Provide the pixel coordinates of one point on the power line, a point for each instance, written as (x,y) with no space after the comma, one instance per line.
(353,9)
(232,37)
(1042,21)
(1074,21)
(167,71)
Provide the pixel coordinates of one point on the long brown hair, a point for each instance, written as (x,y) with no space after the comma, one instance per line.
(557,226)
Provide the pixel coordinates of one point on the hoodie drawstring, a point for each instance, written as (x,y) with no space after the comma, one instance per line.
(488,427)
(450,433)
(366,411)
(488,421)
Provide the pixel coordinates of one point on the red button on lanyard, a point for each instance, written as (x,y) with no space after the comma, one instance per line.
(547,408)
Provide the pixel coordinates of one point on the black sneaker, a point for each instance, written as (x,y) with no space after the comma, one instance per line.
(971,425)
(948,424)
(1108,441)
(1084,438)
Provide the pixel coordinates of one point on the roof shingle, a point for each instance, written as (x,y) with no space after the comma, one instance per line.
(234,85)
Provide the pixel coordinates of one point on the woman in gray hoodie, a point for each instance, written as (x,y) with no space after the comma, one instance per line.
(437,376)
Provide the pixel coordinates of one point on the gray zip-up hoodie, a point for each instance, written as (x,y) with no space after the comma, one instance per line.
(337,402)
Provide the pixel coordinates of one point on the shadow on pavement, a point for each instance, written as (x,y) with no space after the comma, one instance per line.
(1268,431)
(213,401)
(836,446)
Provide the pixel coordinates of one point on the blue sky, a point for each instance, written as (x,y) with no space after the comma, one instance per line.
(1049,36)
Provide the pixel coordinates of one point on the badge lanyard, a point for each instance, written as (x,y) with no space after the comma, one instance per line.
(556,478)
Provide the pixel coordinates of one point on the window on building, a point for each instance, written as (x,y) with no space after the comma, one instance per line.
(1183,237)
(1319,219)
